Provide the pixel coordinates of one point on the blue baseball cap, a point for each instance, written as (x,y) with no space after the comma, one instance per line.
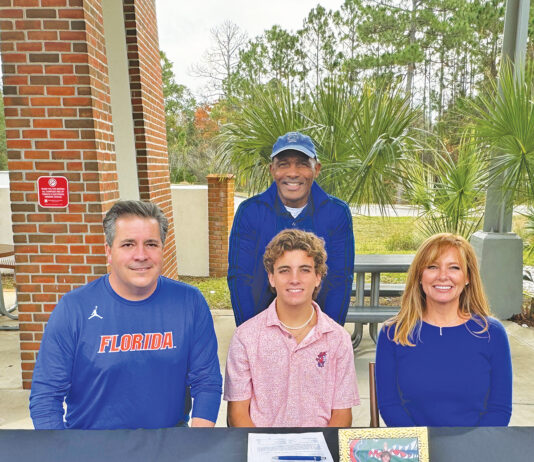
(294,141)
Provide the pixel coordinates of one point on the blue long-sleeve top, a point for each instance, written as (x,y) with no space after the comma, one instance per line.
(451,377)
(259,219)
(126,364)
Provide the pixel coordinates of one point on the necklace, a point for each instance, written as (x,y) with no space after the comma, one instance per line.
(303,325)
(449,324)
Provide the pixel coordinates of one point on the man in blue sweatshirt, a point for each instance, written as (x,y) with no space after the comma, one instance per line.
(123,350)
(294,201)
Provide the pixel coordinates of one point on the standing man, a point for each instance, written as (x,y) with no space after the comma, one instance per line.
(122,350)
(294,200)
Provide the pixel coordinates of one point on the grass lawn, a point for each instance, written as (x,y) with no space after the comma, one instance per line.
(518,227)
(386,235)
(215,290)
(372,235)
(390,235)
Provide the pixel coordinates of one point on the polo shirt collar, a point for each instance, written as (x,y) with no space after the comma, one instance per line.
(321,327)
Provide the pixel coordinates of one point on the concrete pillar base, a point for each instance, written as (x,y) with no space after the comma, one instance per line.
(500,256)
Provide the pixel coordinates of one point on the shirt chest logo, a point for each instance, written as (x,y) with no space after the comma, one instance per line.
(321,359)
(95,314)
(136,342)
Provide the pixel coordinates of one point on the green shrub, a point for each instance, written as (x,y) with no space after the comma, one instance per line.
(402,242)
(179,175)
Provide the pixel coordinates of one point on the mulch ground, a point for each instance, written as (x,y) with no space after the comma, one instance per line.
(521,319)
(527,313)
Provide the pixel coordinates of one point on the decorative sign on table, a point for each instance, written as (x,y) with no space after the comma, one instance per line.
(383,445)
(53,191)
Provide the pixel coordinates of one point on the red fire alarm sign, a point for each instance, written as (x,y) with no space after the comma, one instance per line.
(53,191)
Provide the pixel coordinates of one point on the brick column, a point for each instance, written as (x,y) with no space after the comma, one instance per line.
(149,114)
(58,122)
(220,218)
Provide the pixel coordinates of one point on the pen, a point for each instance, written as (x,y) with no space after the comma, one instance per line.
(299,458)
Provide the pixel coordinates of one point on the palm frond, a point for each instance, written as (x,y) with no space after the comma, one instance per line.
(361,140)
(451,191)
(504,121)
(246,144)
(376,142)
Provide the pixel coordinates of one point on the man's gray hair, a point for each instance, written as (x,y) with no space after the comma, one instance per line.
(135,208)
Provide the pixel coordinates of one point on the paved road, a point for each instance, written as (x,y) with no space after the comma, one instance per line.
(371,210)
(374,211)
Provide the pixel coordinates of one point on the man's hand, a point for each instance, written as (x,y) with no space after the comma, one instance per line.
(239,414)
(199,422)
(341,418)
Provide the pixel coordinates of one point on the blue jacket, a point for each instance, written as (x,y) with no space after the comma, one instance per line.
(126,364)
(258,220)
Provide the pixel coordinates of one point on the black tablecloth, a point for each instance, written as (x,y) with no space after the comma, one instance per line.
(230,444)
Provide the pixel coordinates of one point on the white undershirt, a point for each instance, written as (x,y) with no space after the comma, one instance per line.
(293,211)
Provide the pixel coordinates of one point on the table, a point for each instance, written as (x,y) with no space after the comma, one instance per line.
(230,444)
(6,250)
(373,313)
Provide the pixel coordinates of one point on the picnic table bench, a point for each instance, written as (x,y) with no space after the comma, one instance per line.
(374,313)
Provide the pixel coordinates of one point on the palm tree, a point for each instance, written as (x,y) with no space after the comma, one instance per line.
(375,143)
(361,140)
(450,189)
(331,112)
(504,124)
(246,143)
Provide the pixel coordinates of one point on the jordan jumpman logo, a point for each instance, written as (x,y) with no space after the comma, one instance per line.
(94,314)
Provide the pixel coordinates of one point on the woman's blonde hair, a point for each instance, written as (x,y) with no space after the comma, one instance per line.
(473,302)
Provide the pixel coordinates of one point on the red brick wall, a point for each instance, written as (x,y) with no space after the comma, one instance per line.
(149,114)
(58,122)
(220,218)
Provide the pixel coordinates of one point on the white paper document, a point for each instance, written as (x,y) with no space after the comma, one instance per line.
(266,447)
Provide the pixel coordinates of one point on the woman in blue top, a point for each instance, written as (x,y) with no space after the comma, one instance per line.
(442,361)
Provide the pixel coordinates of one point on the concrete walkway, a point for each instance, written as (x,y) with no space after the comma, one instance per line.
(14,412)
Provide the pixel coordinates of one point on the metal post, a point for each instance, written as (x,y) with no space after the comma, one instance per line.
(499,251)
(498,211)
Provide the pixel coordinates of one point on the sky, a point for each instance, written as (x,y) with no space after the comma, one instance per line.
(184,26)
